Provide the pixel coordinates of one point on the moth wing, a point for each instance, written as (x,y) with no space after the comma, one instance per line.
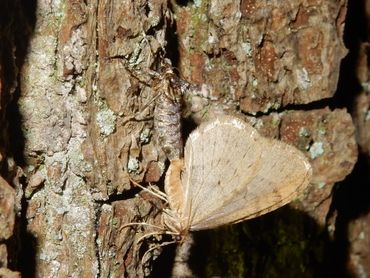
(231,173)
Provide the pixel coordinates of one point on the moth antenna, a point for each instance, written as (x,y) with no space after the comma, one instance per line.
(155,247)
(163,198)
(129,118)
(148,235)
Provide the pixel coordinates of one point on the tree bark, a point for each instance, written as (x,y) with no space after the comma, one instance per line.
(82,120)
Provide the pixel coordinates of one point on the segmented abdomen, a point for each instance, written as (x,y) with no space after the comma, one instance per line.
(167,120)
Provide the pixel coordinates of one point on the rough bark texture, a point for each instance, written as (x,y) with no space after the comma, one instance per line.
(263,54)
(77,125)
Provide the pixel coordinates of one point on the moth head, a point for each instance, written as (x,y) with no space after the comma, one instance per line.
(181,238)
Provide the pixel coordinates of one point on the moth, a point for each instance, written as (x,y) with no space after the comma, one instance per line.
(229,174)
(167,112)
(169,91)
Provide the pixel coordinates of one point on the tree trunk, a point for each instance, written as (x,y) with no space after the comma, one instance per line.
(77,87)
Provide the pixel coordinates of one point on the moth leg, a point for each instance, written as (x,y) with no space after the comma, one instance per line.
(161,231)
(157,191)
(137,73)
(156,247)
(156,233)
(141,115)
(161,196)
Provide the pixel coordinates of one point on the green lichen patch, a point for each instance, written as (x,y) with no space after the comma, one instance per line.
(106,120)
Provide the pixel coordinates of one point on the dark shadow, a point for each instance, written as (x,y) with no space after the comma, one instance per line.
(17,22)
(184,3)
(162,265)
(286,242)
(351,200)
(355,32)
(27,246)
(23,23)
(172,47)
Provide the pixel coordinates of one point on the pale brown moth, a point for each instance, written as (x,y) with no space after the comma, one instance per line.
(229,174)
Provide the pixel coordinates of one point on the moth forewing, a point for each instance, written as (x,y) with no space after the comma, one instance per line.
(216,172)
(261,206)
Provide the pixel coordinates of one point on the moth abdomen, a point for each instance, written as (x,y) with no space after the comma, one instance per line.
(167,120)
